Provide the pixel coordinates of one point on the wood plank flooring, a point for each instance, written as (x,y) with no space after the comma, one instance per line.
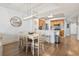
(69,46)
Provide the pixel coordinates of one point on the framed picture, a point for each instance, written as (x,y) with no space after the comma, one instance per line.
(41,23)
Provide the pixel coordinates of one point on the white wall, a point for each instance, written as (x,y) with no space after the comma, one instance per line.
(6,28)
(78,33)
(5,15)
(71,30)
(78,29)
(66,30)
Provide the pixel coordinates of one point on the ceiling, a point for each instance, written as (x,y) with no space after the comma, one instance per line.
(43,9)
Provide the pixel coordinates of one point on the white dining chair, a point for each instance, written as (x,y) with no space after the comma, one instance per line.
(33,43)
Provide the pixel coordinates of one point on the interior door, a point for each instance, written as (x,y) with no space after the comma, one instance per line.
(73,29)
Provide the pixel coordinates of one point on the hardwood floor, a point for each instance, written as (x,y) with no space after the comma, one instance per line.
(69,46)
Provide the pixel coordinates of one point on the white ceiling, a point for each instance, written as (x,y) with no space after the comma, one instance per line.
(43,9)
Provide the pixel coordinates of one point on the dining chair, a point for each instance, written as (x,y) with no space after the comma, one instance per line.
(28,45)
(34,44)
(22,43)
